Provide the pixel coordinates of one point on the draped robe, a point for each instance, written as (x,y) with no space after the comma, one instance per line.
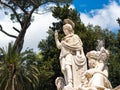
(70,44)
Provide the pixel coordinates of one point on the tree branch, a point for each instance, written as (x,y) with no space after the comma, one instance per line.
(33,3)
(12,10)
(16,29)
(41,3)
(21,7)
(29,17)
(1,29)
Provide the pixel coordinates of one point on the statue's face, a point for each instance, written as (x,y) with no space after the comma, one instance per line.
(66,30)
(92,63)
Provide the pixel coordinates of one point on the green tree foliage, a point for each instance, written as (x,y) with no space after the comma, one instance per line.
(118,20)
(49,63)
(114,67)
(18,71)
(89,35)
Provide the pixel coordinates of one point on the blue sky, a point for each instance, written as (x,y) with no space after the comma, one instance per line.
(97,12)
(88,5)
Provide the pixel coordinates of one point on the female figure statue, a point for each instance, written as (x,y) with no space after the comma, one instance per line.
(72,58)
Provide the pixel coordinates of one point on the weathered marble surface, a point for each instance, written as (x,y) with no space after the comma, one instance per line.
(72,58)
(74,66)
(117,88)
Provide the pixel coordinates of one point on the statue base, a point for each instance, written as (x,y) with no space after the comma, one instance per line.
(68,88)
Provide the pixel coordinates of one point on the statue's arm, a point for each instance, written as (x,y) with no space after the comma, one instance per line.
(58,44)
(100,66)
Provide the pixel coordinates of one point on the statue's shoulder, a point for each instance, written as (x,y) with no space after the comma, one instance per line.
(76,36)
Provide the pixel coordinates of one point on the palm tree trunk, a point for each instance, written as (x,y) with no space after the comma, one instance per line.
(6,86)
(13,82)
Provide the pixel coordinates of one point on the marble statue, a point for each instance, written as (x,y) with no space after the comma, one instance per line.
(97,75)
(72,58)
(60,83)
(74,65)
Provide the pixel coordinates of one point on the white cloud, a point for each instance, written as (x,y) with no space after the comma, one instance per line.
(34,34)
(105,17)
(38,29)
(7,25)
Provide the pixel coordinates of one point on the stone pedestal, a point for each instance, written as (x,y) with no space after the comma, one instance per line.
(68,88)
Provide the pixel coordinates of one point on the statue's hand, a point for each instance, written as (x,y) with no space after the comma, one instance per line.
(89,73)
(56,34)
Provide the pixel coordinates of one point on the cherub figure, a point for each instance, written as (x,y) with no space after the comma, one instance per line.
(97,75)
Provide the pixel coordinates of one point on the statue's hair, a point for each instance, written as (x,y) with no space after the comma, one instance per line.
(69,27)
(59,79)
(68,21)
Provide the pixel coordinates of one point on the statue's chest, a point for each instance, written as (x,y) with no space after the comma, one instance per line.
(69,40)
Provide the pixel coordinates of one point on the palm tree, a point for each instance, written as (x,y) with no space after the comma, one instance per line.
(17,70)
